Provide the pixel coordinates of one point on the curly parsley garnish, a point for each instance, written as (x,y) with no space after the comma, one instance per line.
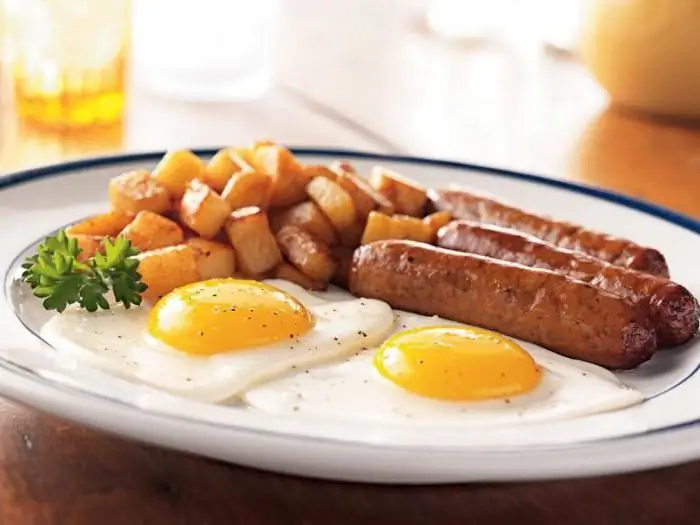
(57,276)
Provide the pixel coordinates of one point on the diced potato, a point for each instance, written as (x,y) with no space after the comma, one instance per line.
(380,227)
(289,179)
(364,196)
(249,232)
(306,253)
(219,170)
(89,245)
(309,217)
(149,231)
(176,169)
(436,221)
(317,170)
(168,268)
(248,188)
(203,210)
(334,201)
(242,156)
(109,224)
(408,197)
(343,258)
(289,273)
(214,259)
(137,191)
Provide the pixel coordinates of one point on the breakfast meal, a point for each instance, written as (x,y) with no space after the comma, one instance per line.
(299,288)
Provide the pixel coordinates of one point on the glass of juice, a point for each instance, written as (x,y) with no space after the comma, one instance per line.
(69,61)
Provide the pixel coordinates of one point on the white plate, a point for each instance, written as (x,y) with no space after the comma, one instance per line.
(663,430)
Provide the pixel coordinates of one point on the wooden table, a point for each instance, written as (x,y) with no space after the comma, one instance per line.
(376,83)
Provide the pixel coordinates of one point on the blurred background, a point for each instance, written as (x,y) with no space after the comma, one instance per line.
(601,91)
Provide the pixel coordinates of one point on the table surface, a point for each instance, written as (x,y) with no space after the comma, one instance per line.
(378,83)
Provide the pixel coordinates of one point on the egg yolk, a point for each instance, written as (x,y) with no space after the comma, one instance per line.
(220,315)
(457,364)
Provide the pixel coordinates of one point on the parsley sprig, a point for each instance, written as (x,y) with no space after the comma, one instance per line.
(57,276)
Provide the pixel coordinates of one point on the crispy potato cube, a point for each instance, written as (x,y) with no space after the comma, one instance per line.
(109,224)
(309,217)
(289,273)
(306,253)
(203,210)
(149,231)
(219,170)
(248,230)
(343,258)
(317,170)
(248,188)
(137,191)
(364,196)
(176,169)
(168,268)
(242,156)
(89,244)
(380,227)
(334,201)
(214,259)
(289,179)
(436,221)
(408,197)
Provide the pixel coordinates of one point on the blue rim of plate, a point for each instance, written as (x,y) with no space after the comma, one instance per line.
(55,170)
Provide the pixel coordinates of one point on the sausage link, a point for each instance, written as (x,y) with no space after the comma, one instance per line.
(464,204)
(552,310)
(674,310)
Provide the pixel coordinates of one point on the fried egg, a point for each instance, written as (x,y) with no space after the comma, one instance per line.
(431,370)
(212,340)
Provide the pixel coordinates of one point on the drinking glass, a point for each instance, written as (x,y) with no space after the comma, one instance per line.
(69,60)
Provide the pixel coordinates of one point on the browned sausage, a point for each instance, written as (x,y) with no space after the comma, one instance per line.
(466,204)
(673,308)
(552,310)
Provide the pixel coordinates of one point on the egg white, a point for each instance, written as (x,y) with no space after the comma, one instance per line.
(116,340)
(354,390)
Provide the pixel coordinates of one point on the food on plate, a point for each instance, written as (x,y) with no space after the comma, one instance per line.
(334,201)
(149,231)
(287,272)
(167,268)
(408,197)
(308,216)
(108,224)
(477,378)
(467,204)
(381,227)
(248,188)
(203,210)
(256,212)
(248,231)
(307,253)
(673,308)
(213,259)
(137,191)
(177,169)
(570,317)
(342,255)
(289,179)
(364,196)
(220,168)
(58,277)
(212,340)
